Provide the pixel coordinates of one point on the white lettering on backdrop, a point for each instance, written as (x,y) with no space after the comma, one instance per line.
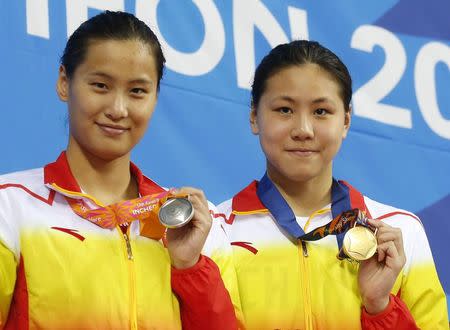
(251,15)
(204,59)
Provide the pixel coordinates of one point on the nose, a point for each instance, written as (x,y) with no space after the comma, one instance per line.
(118,108)
(302,127)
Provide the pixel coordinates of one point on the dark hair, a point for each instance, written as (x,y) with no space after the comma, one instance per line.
(110,25)
(301,52)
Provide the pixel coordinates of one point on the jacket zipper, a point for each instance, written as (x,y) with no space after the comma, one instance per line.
(305,249)
(132,279)
(306,287)
(129,251)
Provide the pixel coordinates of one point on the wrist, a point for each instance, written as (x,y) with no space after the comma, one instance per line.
(184,264)
(376,306)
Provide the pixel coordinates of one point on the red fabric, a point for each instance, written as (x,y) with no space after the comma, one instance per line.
(48,200)
(356,199)
(18,312)
(221,215)
(59,172)
(387,215)
(69,231)
(396,316)
(204,301)
(247,200)
(246,245)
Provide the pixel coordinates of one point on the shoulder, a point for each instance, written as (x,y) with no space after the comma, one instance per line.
(414,237)
(23,177)
(17,190)
(29,180)
(382,211)
(225,207)
(23,188)
(407,221)
(244,202)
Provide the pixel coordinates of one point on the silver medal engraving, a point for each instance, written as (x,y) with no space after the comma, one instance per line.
(176,212)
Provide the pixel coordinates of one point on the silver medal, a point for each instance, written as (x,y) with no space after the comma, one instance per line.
(176,212)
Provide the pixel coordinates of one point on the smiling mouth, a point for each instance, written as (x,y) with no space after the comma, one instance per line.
(302,152)
(112,130)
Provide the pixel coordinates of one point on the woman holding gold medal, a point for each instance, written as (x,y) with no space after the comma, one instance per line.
(80,241)
(307,251)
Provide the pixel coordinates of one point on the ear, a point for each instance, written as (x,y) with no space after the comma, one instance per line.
(254,121)
(62,84)
(347,121)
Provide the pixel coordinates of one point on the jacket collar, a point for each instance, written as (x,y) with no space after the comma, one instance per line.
(264,197)
(58,173)
(247,201)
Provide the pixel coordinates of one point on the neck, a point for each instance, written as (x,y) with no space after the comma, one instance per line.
(305,197)
(109,181)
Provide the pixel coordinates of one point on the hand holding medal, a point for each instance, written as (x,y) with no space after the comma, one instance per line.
(186,243)
(363,238)
(377,275)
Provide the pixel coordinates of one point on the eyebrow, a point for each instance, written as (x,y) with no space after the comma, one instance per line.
(134,81)
(321,100)
(283,98)
(291,100)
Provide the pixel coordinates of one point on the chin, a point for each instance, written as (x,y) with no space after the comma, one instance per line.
(109,154)
(304,174)
(301,178)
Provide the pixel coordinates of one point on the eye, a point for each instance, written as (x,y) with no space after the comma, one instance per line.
(321,112)
(138,91)
(99,85)
(285,110)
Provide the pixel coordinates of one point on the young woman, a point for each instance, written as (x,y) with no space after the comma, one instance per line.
(301,112)
(63,268)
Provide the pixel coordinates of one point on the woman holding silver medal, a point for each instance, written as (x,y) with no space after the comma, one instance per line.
(303,242)
(80,241)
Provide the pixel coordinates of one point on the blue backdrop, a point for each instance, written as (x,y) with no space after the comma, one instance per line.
(398,52)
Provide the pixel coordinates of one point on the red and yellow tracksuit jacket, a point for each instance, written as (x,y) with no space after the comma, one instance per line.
(284,284)
(59,271)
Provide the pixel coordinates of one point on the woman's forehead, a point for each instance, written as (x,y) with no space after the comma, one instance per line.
(302,78)
(118,57)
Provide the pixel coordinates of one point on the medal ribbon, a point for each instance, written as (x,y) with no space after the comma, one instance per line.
(145,209)
(338,225)
(347,208)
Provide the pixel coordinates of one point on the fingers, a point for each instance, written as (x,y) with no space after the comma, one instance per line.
(387,249)
(376,223)
(200,204)
(391,235)
(386,233)
(194,195)
(390,244)
(388,253)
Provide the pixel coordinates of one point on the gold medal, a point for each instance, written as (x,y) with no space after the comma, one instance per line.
(360,243)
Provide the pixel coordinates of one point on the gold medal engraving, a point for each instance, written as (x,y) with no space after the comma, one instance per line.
(360,243)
